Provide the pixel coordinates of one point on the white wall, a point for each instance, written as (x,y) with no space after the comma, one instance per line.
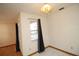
(64,29)
(20,33)
(29,46)
(60,29)
(7,34)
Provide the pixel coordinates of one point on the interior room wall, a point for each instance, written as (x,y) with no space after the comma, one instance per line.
(60,29)
(20,33)
(7,34)
(29,46)
(64,29)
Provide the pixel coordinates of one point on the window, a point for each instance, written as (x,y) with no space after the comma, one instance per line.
(34,31)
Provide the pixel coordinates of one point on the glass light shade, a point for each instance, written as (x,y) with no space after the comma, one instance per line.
(46,8)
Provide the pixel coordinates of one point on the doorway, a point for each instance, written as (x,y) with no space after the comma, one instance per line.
(8,39)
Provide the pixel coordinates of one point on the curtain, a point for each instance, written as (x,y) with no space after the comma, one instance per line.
(17,39)
(41,47)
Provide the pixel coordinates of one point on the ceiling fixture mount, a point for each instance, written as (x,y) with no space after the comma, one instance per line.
(46,8)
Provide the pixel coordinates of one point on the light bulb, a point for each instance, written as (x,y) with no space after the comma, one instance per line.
(46,8)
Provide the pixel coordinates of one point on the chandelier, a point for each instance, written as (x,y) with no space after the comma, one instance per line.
(46,8)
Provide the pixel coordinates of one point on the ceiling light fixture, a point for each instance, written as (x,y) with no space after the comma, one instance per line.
(46,8)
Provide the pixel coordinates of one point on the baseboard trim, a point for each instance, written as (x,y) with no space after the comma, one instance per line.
(49,46)
(33,53)
(62,50)
(8,45)
(36,52)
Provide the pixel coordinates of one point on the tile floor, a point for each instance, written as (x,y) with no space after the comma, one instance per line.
(51,52)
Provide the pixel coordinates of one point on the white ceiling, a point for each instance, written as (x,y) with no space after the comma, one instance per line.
(8,11)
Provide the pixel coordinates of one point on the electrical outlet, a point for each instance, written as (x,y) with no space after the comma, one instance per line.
(71,47)
(74,48)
